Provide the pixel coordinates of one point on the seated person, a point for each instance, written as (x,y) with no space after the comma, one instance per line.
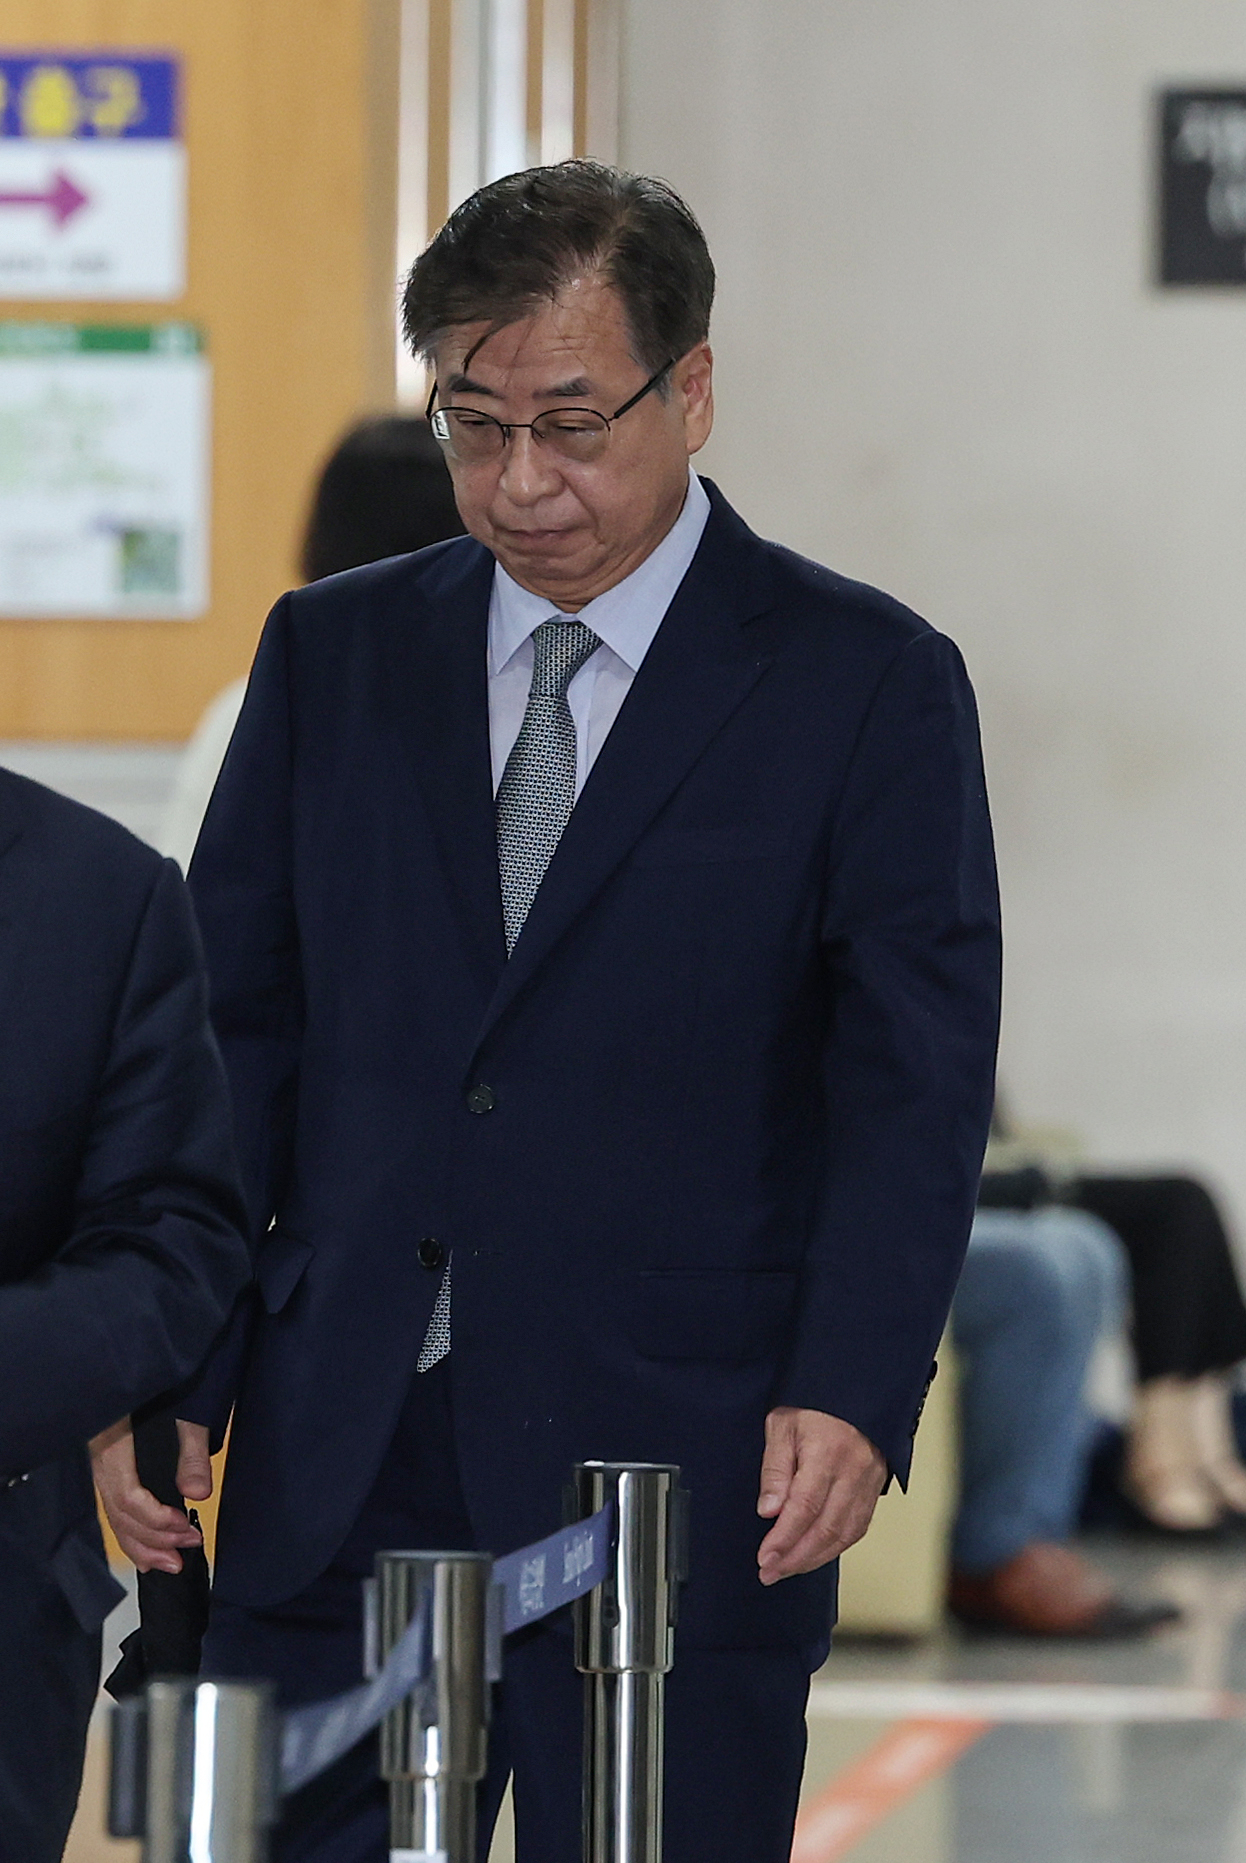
(1038,1289)
(1182,1468)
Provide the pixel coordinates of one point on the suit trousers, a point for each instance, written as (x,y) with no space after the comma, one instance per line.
(49,1675)
(735,1718)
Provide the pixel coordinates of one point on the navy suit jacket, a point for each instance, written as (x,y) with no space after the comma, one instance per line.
(121,1221)
(738,1068)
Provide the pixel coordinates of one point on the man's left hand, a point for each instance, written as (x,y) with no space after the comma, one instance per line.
(149,1533)
(820,1482)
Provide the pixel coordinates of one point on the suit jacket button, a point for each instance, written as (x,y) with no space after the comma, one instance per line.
(480,1099)
(431,1253)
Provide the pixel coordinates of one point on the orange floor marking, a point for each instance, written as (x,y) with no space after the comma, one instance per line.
(891,1771)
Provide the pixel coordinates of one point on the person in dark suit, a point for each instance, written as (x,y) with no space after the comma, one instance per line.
(121,1244)
(602,925)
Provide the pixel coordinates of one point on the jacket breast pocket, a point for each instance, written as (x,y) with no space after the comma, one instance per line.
(279,1267)
(695,847)
(733,1315)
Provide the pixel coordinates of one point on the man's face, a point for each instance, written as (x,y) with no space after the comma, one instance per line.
(565,530)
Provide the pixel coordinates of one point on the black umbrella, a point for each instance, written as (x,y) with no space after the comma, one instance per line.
(173,1607)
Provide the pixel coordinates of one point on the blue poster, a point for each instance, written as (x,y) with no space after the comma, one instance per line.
(104,95)
(92,176)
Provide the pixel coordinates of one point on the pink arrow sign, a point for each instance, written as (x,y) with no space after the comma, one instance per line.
(63,198)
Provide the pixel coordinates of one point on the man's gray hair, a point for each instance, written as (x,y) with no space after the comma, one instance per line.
(515,244)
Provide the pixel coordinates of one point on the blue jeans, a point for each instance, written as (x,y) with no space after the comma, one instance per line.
(1038,1288)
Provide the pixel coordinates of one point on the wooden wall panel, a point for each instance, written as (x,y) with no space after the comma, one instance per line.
(291,113)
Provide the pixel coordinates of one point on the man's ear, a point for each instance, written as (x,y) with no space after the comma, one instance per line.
(694,383)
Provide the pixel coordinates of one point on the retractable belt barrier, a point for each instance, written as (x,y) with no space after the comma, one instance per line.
(198,1768)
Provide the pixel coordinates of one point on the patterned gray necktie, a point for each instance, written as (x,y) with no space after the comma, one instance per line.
(537,792)
(535,798)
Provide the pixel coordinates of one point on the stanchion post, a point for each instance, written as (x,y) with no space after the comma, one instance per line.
(194,1772)
(434,1744)
(624,1645)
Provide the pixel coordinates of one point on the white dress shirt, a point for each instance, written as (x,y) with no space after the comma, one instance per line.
(625,618)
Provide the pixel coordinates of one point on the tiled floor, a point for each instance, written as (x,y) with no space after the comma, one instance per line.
(1095,1789)
(1092,1790)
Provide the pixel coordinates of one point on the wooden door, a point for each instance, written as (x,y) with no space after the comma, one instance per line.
(290,113)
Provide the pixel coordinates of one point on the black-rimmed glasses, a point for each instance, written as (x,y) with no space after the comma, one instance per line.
(576,434)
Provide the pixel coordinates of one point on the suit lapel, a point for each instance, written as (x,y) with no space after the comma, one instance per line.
(14,878)
(440,697)
(699,669)
(11,816)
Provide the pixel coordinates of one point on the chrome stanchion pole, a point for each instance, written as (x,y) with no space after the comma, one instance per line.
(434,1744)
(624,1644)
(194,1772)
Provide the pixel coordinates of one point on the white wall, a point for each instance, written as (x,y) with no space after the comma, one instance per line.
(132,782)
(942,369)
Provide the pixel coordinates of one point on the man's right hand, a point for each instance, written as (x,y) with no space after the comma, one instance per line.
(148,1532)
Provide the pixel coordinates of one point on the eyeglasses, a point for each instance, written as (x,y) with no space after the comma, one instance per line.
(579,435)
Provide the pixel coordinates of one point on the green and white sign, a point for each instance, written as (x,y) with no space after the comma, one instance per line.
(104,471)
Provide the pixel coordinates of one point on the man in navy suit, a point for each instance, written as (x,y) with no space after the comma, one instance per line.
(603,934)
(121,1245)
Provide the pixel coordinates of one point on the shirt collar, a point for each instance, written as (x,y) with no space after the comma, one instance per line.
(627,616)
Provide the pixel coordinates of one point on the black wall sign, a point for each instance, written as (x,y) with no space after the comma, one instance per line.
(1202,188)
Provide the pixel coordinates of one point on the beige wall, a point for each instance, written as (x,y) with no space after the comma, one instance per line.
(291,117)
(943,370)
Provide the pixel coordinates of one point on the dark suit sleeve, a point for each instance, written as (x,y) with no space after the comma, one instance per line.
(241,882)
(911,939)
(155,1256)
